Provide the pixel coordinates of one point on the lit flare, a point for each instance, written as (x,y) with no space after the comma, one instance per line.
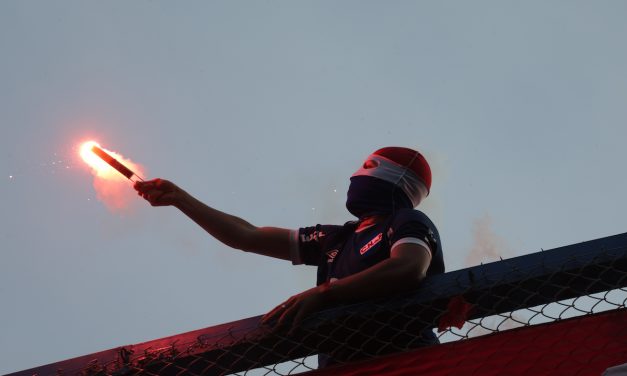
(105,163)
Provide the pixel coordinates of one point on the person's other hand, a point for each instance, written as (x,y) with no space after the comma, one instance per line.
(295,309)
(159,192)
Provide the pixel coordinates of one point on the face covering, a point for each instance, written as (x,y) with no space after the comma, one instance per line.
(371,196)
(391,178)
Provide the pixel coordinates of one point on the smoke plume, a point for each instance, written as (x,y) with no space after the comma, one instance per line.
(117,195)
(487,246)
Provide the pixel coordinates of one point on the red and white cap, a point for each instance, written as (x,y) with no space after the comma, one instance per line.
(403,167)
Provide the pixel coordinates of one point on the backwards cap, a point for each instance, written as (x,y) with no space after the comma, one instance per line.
(410,159)
(403,167)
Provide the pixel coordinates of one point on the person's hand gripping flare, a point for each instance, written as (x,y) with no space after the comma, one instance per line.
(160,192)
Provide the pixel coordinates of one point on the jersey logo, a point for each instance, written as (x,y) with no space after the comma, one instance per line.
(313,236)
(331,255)
(431,237)
(371,243)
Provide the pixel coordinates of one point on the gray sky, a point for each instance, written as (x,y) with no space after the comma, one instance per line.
(264,109)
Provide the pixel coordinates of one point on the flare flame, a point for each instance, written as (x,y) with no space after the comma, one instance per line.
(110,184)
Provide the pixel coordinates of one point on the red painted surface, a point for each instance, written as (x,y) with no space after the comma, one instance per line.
(580,346)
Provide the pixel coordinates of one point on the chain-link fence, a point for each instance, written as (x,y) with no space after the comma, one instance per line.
(543,287)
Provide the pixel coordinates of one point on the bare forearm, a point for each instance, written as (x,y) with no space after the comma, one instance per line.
(386,278)
(234,231)
(228,229)
(391,276)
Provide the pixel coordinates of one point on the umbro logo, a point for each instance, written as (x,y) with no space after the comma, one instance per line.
(331,255)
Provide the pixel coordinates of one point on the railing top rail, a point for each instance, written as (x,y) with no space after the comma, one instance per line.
(520,282)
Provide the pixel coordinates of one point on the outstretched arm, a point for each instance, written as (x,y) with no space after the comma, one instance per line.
(229,229)
(403,271)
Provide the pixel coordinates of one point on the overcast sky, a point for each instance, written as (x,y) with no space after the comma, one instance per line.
(264,109)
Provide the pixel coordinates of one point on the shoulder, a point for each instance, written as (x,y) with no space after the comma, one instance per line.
(411,223)
(405,216)
(311,242)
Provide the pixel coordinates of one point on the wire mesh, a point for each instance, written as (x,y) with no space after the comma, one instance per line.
(546,287)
